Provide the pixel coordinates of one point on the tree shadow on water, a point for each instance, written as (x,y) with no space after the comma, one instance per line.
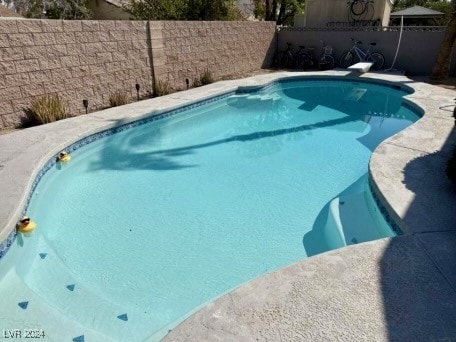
(130,151)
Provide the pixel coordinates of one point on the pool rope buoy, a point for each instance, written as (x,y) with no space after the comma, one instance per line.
(25,225)
(64,157)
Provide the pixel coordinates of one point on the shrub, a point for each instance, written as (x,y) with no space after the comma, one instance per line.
(451,166)
(161,88)
(197,82)
(206,78)
(118,98)
(48,108)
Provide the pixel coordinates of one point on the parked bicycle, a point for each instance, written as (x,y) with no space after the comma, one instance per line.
(326,60)
(356,54)
(285,59)
(305,58)
(292,59)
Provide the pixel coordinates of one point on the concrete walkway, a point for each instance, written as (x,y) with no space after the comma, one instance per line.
(391,289)
(387,290)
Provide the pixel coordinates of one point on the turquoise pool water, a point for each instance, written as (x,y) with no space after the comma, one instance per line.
(150,223)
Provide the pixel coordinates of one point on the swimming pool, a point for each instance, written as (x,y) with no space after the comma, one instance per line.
(146,225)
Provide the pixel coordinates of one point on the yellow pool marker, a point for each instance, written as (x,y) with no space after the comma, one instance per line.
(64,157)
(25,225)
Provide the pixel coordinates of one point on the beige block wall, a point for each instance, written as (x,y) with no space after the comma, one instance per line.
(186,49)
(75,59)
(92,59)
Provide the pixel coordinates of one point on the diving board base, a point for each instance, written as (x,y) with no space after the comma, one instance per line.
(361,67)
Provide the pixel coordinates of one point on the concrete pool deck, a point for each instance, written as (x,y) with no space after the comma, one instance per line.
(390,289)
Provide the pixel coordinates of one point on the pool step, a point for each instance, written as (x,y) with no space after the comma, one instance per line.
(51,280)
(242,100)
(265,97)
(22,309)
(352,221)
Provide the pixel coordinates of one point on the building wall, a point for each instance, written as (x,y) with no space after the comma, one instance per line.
(386,13)
(247,8)
(417,53)
(320,12)
(102,10)
(93,59)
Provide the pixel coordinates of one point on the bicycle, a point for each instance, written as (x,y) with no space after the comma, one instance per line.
(304,58)
(285,59)
(356,54)
(326,61)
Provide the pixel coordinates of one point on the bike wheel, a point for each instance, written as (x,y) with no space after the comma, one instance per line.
(277,60)
(378,59)
(303,62)
(358,8)
(346,59)
(286,61)
(326,63)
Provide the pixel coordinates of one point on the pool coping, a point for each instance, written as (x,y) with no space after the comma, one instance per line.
(26,152)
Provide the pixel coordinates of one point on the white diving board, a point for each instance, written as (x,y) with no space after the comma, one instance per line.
(361,67)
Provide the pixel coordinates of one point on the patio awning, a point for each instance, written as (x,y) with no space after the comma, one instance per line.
(416,12)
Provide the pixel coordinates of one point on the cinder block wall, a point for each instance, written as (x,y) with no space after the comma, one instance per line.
(92,59)
(417,54)
(75,59)
(185,49)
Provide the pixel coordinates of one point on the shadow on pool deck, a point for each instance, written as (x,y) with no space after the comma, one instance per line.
(419,280)
(418,302)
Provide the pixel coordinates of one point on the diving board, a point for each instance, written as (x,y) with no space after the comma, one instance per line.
(361,67)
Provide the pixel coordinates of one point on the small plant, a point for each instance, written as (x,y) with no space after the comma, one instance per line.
(197,82)
(206,77)
(451,166)
(161,88)
(48,108)
(119,98)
